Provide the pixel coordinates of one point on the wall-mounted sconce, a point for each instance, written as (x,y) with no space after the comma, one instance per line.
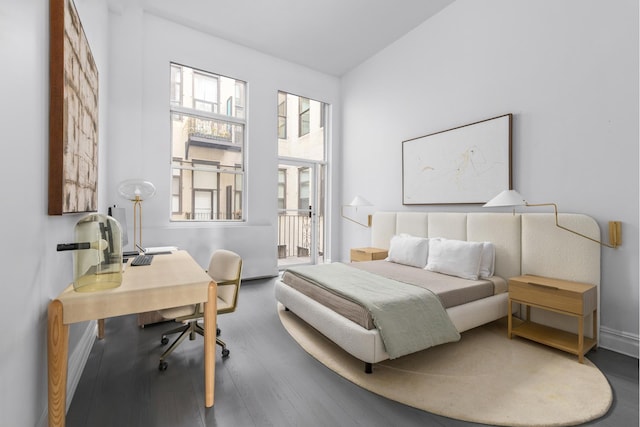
(357,202)
(512,198)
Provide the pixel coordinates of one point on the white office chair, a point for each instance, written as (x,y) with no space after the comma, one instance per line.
(225,267)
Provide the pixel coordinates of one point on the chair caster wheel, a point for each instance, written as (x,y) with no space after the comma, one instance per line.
(162,366)
(164,340)
(225,352)
(217,332)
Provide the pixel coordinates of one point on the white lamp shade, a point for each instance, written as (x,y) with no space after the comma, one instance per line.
(506,198)
(359,201)
(136,189)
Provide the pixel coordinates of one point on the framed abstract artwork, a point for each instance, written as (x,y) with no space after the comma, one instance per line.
(465,165)
(73,114)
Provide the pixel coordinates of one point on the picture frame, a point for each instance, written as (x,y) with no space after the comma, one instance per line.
(73,114)
(468,164)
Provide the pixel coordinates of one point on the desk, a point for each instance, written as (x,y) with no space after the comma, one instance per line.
(170,281)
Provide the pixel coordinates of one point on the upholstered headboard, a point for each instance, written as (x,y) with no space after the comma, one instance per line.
(525,243)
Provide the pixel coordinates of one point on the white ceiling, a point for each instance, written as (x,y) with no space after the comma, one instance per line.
(331,36)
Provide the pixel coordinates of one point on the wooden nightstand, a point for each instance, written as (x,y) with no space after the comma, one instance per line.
(368,254)
(561,296)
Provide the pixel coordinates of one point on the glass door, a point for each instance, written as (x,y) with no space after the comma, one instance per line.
(302,142)
(300,213)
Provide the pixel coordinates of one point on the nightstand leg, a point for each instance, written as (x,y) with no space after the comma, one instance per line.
(595,328)
(581,339)
(509,318)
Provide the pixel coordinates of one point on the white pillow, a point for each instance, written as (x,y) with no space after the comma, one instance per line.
(487,261)
(455,258)
(408,250)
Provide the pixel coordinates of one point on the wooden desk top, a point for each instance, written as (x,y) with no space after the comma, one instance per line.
(171,280)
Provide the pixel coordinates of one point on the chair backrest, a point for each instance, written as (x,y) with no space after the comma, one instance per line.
(225,267)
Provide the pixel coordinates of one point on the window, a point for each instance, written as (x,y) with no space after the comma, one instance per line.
(176,184)
(205,92)
(205,186)
(282,190)
(176,85)
(237,201)
(240,100)
(282,115)
(207,143)
(304,113)
(203,205)
(301,132)
(304,191)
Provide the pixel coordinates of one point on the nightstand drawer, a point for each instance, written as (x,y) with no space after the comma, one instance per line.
(368,254)
(570,297)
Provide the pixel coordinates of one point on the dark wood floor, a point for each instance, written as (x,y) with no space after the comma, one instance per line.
(267,381)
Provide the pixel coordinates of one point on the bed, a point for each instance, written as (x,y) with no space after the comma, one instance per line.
(522,243)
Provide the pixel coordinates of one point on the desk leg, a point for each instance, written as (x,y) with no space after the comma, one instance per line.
(100,329)
(57,353)
(210,312)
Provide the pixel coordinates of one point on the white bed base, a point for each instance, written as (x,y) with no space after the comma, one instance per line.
(367,345)
(525,244)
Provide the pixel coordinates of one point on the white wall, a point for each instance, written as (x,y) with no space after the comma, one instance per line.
(33,272)
(132,51)
(142,47)
(568,71)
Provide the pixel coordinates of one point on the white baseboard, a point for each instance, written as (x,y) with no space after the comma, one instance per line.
(620,342)
(77,361)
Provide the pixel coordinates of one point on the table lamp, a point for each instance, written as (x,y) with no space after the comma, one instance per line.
(137,190)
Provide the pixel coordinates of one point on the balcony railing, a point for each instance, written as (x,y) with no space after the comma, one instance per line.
(206,216)
(294,236)
(210,129)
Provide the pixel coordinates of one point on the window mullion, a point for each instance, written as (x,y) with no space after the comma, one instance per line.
(176,109)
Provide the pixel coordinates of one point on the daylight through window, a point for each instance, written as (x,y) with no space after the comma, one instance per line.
(207,145)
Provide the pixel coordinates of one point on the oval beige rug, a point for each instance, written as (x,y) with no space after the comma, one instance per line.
(484,378)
